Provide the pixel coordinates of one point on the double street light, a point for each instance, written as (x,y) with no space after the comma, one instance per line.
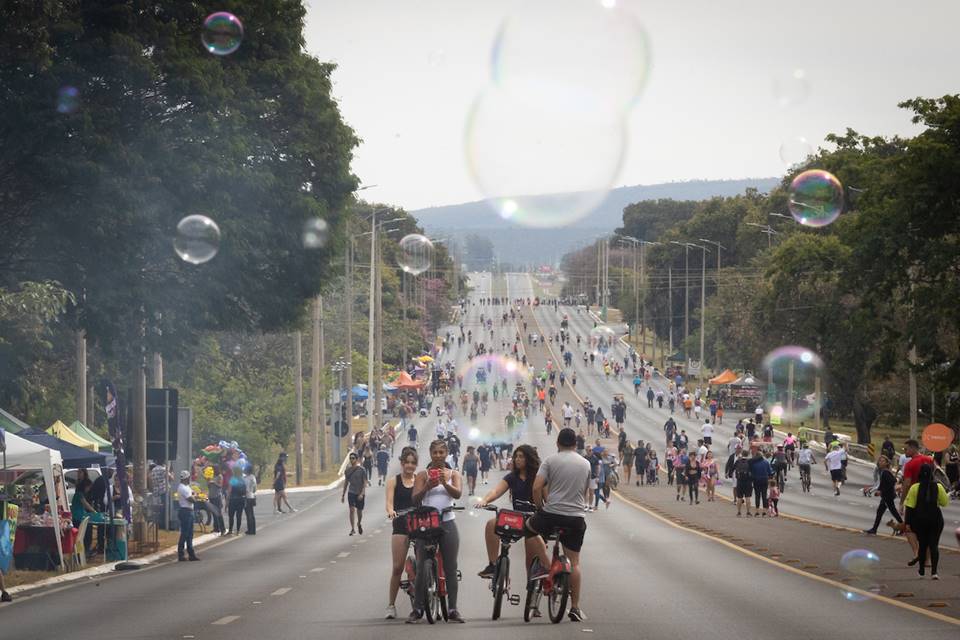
(765,228)
(640,316)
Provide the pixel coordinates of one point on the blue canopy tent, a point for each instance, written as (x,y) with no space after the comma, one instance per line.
(74,457)
(359,393)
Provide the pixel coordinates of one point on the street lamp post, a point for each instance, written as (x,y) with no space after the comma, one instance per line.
(720,248)
(765,228)
(686,285)
(703,302)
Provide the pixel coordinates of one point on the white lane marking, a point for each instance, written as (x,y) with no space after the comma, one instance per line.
(378,531)
(225,620)
(281,591)
(317,569)
(343,554)
(361,541)
(333,562)
(301,576)
(257,602)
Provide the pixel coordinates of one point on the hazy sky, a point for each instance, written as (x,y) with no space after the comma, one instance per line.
(409,71)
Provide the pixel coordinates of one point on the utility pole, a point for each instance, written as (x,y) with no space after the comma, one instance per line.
(720,248)
(298,367)
(599,260)
(790,393)
(378,395)
(686,286)
(703,305)
(670,304)
(372,323)
(403,304)
(317,419)
(348,357)
(82,376)
(157,370)
(912,377)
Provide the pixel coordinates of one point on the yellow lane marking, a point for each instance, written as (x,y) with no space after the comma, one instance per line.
(839,585)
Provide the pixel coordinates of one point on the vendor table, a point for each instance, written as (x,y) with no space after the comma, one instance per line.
(35,546)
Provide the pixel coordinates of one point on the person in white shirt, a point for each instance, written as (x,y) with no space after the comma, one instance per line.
(250,482)
(185,514)
(734,445)
(707,432)
(567,414)
(834,464)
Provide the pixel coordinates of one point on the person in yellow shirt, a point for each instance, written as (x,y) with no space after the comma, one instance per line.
(924,517)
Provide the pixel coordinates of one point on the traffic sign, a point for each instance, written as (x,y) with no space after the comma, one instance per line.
(937,437)
(340,428)
(871,449)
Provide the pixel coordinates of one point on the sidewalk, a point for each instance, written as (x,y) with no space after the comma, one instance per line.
(813,548)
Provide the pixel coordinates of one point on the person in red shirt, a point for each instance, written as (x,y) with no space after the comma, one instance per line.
(911,473)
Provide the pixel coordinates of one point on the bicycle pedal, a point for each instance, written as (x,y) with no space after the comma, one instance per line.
(515,598)
(459,575)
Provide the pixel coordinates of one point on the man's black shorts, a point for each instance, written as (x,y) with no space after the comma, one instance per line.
(543,523)
(356,500)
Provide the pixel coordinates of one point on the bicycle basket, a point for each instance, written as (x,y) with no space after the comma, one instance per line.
(424,523)
(509,522)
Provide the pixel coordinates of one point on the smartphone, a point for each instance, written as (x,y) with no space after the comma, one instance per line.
(434,474)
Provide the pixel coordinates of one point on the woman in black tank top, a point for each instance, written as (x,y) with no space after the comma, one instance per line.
(399,494)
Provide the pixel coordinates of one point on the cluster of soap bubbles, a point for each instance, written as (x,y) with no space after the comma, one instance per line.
(862,565)
(222,33)
(197,240)
(804,366)
(602,339)
(416,253)
(315,232)
(68,99)
(552,120)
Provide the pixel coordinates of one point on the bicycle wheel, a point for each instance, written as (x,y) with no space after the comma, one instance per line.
(557,599)
(533,600)
(441,602)
(431,609)
(500,585)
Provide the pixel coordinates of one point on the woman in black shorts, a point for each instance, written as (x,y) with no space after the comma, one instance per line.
(399,494)
(471,464)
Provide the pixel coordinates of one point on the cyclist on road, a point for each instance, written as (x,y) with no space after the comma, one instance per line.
(438,486)
(559,491)
(399,496)
(805,459)
(519,482)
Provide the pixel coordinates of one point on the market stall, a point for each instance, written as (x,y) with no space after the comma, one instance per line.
(745,393)
(87,434)
(41,539)
(65,433)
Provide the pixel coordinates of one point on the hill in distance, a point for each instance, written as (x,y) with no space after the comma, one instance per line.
(518,245)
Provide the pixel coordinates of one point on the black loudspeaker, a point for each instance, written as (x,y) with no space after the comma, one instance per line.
(162,424)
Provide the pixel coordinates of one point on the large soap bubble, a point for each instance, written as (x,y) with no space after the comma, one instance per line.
(862,565)
(805,366)
(416,253)
(315,233)
(602,339)
(816,198)
(197,240)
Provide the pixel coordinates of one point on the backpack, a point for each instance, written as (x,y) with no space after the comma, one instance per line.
(742,469)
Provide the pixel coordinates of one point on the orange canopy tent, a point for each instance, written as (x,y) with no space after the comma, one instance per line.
(405,382)
(724,378)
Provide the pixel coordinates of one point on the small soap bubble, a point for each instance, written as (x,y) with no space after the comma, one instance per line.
(197,240)
(315,233)
(416,253)
(68,100)
(795,151)
(791,89)
(816,198)
(222,33)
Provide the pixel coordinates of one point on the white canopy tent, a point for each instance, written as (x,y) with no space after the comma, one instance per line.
(23,455)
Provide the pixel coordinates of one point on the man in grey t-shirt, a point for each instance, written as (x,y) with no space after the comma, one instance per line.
(558,490)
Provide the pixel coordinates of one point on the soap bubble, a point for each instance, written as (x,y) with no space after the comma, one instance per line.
(807,366)
(68,99)
(222,33)
(791,89)
(518,149)
(863,565)
(584,50)
(816,198)
(602,339)
(315,232)
(486,370)
(795,150)
(416,253)
(197,240)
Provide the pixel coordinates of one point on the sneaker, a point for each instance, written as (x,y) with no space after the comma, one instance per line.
(292,510)
(932,577)
(870,532)
(391,612)
(454,616)
(352,532)
(577,615)
(487,571)
(415,617)
(5,597)
(360,529)
(194,559)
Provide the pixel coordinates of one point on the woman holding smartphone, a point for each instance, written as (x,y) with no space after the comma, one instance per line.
(438,486)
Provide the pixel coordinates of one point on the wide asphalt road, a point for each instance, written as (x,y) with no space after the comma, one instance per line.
(302,576)
(850,509)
